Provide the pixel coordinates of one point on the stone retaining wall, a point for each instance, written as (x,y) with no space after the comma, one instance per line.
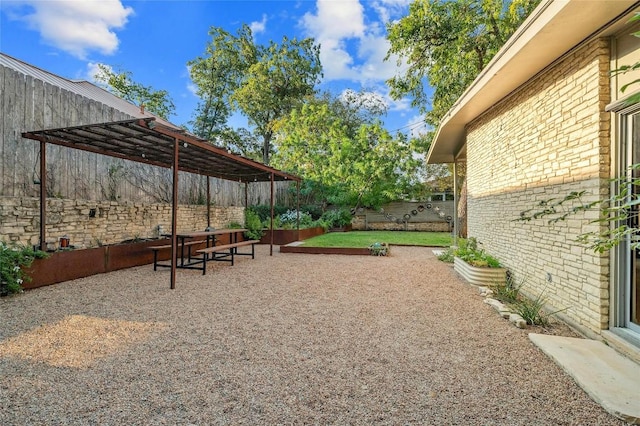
(92,223)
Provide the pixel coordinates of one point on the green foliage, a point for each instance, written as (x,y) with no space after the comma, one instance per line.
(216,75)
(349,165)
(469,252)
(289,219)
(121,84)
(262,82)
(253,224)
(336,218)
(13,259)
(532,310)
(508,292)
(263,211)
(448,255)
(448,43)
(379,249)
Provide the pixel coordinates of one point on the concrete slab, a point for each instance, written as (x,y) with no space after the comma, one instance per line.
(612,380)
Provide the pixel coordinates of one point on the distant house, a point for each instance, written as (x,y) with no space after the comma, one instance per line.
(545,118)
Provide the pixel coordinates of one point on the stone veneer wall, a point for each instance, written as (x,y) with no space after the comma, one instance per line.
(359,223)
(113,222)
(547,139)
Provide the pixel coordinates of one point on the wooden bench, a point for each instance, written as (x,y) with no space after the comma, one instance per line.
(233,251)
(156,249)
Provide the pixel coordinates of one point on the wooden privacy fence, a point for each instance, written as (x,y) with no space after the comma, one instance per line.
(29,103)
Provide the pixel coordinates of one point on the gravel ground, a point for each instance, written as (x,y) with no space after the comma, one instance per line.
(288,339)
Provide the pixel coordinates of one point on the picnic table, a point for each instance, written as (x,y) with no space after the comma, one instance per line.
(211,251)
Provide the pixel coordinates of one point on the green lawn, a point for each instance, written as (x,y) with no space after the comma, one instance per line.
(366,238)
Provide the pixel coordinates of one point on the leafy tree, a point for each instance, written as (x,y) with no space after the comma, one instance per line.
(217,75)
(448,43)
(357,166)
(122,84)
(263,82)
(240,141)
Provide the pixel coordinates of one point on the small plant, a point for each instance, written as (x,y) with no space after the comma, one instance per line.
(531,310)
(379,249)
(447,255)
(13,259)
(509,292)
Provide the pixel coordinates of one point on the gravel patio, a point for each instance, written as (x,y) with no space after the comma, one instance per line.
(288,339)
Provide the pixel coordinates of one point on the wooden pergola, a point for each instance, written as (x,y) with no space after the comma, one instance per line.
(147,141)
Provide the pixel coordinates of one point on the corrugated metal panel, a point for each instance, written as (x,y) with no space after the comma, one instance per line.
(80,87)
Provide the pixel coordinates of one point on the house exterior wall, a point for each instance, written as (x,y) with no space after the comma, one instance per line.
(549,138)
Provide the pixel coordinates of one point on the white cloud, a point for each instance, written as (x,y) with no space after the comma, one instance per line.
(76,26)
(353,43)
(258,27)
(336,20)
(332,25)
(388,9)
(93,70)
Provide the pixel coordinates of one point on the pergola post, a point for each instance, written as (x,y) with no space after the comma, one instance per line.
(298,205)
(43,196)
(174,214)
(272,211)
(208,201)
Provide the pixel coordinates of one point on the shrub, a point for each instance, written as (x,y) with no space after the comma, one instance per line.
(253,224)
(336,218)
(289,219)
(264,211)
(13,258)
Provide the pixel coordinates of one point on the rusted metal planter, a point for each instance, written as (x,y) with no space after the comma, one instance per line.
(72,264)
(480,276)
(325,250)
(286,236)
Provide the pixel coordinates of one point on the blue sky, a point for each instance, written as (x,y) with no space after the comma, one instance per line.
(154,39)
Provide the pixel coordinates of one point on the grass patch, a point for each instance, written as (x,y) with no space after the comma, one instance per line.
(363,239)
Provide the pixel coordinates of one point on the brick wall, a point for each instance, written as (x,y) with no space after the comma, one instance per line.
(547,139)
(113,222)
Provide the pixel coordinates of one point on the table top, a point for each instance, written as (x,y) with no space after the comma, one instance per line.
(197,234)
